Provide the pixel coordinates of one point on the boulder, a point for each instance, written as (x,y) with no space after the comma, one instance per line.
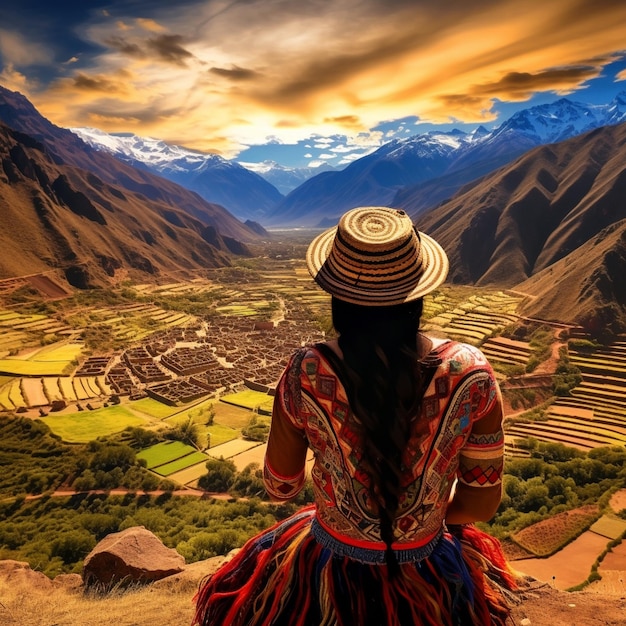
(20,574)
(134,555)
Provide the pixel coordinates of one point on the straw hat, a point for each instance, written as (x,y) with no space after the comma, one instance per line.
(374,257)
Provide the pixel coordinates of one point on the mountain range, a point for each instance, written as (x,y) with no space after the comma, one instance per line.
(419,172)
(551,224)
(247,195)
(95,219)
(414,173)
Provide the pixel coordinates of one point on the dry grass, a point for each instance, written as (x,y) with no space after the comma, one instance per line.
(30,599)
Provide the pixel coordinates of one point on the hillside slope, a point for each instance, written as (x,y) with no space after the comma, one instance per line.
(18,113)
(56,216)
(30,599)
(557,214)
(243,192)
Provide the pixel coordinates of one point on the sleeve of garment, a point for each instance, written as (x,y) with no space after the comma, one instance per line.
(285,458)
(481,459)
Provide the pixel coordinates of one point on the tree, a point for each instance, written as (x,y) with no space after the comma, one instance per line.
(73,545)
(187,432)
(219,477)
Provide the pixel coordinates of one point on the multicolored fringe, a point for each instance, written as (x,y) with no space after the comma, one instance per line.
(284,577)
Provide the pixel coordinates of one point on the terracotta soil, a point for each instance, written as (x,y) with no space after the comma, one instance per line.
(618,500)
(568,567)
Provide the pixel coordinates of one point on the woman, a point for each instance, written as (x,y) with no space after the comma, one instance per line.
(407,437)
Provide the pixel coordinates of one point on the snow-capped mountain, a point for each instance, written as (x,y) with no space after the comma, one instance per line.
(418,172)
(284,178)
(414,173)
(243,192)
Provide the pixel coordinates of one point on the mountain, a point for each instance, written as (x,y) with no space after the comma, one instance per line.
(419,172)
(244,193)
(67,208)
(284,178)
(19,114)
(552,223)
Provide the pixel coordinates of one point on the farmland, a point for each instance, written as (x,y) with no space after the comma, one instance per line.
(208,353)
(278,292)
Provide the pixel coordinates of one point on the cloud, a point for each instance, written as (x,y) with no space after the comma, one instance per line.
(235,73)
(19,51)
(101,84)
(169,49)
(210,73)
(521,85)
(12,79)
(125,47)
(150,25)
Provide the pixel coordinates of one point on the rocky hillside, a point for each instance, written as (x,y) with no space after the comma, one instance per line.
(54,215)
(553,223)
(65,148)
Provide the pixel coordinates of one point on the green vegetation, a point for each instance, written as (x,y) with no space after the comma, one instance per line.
(34,461)
(55,534)
(567,375)
(164,452)
(258,429)
(554,479)
(86,426)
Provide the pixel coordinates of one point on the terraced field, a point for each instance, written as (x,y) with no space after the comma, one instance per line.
(465,315)
(595,414)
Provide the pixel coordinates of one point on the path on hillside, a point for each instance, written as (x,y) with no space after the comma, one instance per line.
(122,491)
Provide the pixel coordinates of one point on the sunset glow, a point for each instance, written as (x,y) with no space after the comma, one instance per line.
(218,75)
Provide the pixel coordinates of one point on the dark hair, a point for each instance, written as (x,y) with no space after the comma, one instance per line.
(384,387)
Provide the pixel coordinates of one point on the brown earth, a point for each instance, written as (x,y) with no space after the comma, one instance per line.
(28,598)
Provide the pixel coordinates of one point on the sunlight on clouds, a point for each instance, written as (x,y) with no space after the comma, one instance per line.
(13,80)
(19,51)
(151,25)
(221,75)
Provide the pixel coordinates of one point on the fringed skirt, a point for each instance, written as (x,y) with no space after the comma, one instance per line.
(285,576)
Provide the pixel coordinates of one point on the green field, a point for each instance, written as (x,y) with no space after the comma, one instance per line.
(221,434)
(154,408)
(180,464)
(164,452)
(18,367)
(250,399)
(86,426)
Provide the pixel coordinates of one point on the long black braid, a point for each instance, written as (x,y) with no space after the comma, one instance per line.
(384,387)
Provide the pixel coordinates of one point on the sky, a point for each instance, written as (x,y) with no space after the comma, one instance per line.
(326,79)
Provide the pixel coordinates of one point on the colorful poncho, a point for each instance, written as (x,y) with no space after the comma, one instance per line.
(325,565)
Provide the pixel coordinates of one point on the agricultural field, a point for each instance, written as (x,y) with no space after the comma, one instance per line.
(252,400)
(169,457)
(86,426)
(548,536)
(595,412)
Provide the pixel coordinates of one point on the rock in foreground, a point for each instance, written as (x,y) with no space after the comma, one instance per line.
(134,555)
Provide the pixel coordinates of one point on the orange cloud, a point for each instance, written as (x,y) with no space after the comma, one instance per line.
(203,75)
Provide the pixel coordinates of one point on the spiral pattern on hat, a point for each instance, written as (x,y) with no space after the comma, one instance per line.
(375,257)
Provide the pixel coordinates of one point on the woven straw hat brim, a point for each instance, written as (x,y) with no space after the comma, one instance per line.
(371,287)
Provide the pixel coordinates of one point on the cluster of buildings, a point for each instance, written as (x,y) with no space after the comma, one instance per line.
(222,354)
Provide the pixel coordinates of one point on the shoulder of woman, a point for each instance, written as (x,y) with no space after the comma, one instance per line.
(465,353)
